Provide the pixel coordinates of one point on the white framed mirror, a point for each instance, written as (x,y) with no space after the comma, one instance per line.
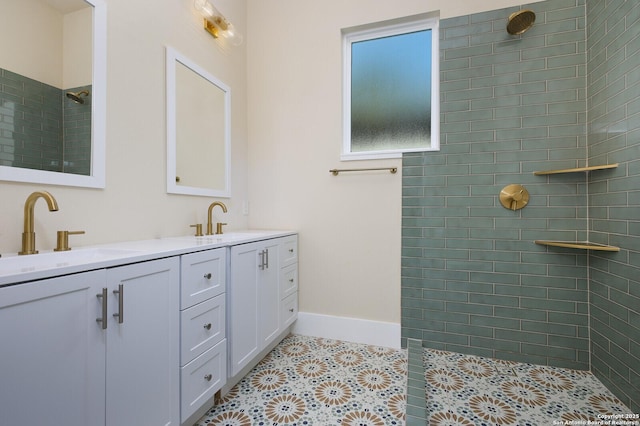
(198,130)
(56,49)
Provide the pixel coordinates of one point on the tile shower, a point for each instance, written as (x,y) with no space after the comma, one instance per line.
(40,128)
(562,95)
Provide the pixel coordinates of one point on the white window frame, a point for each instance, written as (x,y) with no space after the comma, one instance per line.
(386,29)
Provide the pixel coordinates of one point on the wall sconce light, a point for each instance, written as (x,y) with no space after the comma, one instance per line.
(216,24)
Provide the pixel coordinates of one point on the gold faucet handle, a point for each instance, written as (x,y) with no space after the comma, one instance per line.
(219,227)
(198,227)
(63,240)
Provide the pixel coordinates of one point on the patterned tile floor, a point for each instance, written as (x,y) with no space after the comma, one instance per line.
(470,390)
(322,382)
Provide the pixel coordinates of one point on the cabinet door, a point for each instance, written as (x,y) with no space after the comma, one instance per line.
(142,344)
(254,300)
(52,366)
(268,293)
(243,306)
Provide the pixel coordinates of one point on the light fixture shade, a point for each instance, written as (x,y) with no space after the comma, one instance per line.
(216,24)
(205,8)
(232,35)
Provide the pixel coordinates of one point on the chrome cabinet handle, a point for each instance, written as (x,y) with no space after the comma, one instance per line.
(103,319)
(264,259)
(208,377)
(120,313)
(208,275)
(207,326)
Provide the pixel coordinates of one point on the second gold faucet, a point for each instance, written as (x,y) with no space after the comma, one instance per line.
(210,221)
(29,235)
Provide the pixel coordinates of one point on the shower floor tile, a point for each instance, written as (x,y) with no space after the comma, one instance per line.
(471,390)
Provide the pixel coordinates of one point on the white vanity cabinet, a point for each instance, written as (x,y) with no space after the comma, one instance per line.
(142,354)
(289,282)
(259,272)
(144,333)
(52,352)
(203,343)
(69,359)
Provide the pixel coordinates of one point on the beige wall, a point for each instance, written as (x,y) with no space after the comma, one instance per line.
(350,224)
(77,51)
(134,204)
(41,28)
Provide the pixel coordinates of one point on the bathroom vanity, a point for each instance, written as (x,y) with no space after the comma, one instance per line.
(142,332)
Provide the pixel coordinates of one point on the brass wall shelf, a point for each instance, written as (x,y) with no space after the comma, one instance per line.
(583,245)
(576,170)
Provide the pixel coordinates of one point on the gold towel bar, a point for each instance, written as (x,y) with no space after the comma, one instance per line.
(336,171)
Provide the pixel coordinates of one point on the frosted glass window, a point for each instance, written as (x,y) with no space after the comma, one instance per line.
(391,89)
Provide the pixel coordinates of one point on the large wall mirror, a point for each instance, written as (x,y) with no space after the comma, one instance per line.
(53,92)
(198,130)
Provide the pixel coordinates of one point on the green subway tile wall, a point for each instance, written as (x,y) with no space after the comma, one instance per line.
(77,133)
(613,64)
(473,281)
(30,123)
(40,128)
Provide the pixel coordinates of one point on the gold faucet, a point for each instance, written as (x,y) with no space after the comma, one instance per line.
(29,236)
(210,222)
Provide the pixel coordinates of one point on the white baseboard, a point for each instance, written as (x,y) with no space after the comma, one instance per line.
(376,333)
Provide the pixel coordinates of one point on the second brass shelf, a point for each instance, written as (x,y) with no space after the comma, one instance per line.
(576,169)
(583,245)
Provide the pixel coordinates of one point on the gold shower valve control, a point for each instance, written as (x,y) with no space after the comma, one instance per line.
(514,197)
(63,240)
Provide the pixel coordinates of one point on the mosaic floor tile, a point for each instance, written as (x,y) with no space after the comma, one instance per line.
(482,391)
(323,382)
(313,381)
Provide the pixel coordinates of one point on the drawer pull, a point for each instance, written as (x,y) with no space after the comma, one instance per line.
(290,250)
(291,310)
(208,276)
(290,280)
(208,377)
(207,326)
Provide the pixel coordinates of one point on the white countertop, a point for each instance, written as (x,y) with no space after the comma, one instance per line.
(18,269)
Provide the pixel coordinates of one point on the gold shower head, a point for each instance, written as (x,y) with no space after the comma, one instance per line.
(77,96)
(520,21)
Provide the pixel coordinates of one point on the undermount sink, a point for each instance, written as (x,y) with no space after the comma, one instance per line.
(13,264)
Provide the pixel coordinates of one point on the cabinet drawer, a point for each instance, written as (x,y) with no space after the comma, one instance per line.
(203,276)
(201,327)
(288,250)
(288,280)
(202,378)
(289,310)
